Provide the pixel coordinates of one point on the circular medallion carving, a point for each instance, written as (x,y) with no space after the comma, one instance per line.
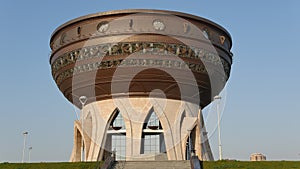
(158,25)
(103,26)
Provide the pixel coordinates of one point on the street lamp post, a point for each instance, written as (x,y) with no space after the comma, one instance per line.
(82,100)
(29,153)
(24,134)
(219,127)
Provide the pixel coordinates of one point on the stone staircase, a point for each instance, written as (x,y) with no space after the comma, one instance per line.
(152,165)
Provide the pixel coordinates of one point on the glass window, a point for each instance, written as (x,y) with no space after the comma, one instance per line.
(152,142)
(153,122)
(119,145)
(118,122)
(116,140)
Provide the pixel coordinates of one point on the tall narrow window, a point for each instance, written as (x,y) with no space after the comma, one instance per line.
(152,137)
(190,143)
(116,137)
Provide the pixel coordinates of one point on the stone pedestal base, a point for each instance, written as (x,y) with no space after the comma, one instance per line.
(181,127)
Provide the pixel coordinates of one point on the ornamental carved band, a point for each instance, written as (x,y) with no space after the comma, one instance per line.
(127,48)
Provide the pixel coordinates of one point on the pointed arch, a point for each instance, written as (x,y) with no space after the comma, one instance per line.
(183,115)
(152,135)
(116,136)
(104,151)
(76,154)
(190,143)
(81,139)
(113,115)
(117,121)
(152,121)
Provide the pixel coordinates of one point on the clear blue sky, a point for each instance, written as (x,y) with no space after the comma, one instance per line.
(262,112)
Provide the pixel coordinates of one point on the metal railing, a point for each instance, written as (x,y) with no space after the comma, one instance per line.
(194,160)
(121,165)
(108,163)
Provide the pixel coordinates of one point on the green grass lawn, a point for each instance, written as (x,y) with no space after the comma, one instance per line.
(252,165)
(88,165)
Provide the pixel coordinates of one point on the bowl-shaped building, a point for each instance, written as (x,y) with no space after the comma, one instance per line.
(146,75)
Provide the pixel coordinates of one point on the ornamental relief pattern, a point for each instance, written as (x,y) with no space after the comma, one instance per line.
(114,28)
(128,62)
(126,48)
(160,63)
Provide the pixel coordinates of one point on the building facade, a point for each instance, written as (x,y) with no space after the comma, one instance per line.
(258,157)
(146,75)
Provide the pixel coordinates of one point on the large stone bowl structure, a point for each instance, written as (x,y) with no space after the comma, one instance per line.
(146,75)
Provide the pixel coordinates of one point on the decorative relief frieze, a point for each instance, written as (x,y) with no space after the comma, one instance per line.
(63,38)
(158,25)
(222,39)
(200,68)
(206,34)
(186,27)
(153,63)
(103,26)
(127,48)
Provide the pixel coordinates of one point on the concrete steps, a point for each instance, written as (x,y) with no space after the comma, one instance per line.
(152,165)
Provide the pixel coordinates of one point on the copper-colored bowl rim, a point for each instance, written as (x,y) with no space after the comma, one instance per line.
(133,11)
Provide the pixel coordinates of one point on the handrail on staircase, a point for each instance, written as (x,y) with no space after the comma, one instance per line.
(109,161)
(194,160)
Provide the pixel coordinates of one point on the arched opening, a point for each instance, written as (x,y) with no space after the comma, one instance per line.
(116,137)
(78,144)
(190,143)
(152,136)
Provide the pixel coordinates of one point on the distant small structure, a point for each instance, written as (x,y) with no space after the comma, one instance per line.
(258,157)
